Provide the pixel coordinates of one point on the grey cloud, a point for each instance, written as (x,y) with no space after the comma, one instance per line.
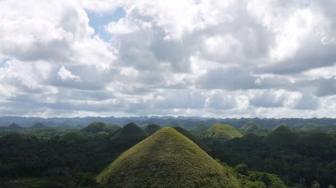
(90,78)
(314,54)
(326,7)
(253,40)
(268,99)
(56,50)
(181,99)
(231,78)
(320,87)
(148,50)
(326,87)
(307,102)
(221,101)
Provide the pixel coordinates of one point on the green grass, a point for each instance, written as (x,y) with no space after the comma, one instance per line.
(222,131)
(167,159)
(193,138)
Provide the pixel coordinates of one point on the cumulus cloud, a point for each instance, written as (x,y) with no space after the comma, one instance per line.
(192,57)
(230,78)
(65,74)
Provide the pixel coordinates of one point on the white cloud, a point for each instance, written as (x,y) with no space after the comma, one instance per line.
(232,58)
(65,74)
(122,26)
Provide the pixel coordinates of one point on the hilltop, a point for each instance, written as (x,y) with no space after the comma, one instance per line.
(252,128)
(129,132)
(167,159)
(222,131)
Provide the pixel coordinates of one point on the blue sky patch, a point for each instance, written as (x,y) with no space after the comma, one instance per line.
(99,20)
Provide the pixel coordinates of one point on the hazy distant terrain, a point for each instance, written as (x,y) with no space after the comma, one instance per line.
(166,120)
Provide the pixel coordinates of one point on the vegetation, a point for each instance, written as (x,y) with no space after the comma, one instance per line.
(128,136)
(166,159)
(222,131)
(152,128)
(252,128)
(254,179)
(100,127)
(301,159)
(43,156)
(193,138)
(68,158)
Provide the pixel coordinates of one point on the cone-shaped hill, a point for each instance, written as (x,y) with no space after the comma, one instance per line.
(281,135)
(166,159)
(222,131)
(14,126)
(129,132)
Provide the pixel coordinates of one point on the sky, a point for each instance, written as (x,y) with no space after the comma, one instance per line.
(204,58)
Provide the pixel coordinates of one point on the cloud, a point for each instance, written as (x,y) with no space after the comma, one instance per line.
(307,101)
(193,57)
(65,74)
(269,98)
(230,78)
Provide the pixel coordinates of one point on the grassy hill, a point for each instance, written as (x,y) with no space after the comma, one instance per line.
(193,138)
(167,159)
(251,128)
(222,131)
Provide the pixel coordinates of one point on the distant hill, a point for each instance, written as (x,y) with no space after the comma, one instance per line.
(167,159)
(252,128)
(281,135)
(39,125)
(152,128)
(193,138)
(14,126)
(129,132)
(222,131)
(198,130)
(189,123)
(97,127)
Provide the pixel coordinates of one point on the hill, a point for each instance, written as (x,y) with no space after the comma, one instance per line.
(129,132)
(14,126)
(152,128)
(252,128)
(96,127)
(167,159)
(281,135)
(193,138)
(222,131)
(39,125)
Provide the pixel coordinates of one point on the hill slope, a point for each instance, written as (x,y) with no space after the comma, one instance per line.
(193,138)
(129,132)
(252,128)
(166,159)
(222,131)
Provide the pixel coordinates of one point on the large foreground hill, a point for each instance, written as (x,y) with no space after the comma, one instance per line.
(167,159)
